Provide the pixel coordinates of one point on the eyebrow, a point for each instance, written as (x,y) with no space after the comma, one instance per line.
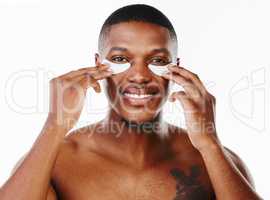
(118,49)
(161,50)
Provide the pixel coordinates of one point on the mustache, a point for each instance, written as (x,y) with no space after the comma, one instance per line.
(140,88)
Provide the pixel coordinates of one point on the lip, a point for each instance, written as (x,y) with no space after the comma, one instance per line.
(135,89)
(137,101)
(140,91)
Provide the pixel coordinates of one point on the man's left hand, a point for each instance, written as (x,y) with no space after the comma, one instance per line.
(198,105)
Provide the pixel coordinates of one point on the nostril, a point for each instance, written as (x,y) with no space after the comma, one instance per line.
(139,77)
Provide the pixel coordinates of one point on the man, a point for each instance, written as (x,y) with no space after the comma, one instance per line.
(132,153)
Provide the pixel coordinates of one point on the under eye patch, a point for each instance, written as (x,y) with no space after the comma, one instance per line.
(159,70)
(116,67)
(121,67)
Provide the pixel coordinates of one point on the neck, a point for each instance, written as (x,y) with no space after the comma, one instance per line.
(137,144)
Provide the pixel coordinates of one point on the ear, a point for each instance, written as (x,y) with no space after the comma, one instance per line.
(97,59)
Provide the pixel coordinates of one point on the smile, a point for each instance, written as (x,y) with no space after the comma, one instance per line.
(137,99)
(138,96)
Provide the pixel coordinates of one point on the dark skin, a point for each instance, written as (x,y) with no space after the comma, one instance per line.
(134,162)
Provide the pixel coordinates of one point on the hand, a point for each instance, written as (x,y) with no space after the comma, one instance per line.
(198,105)
(67,94)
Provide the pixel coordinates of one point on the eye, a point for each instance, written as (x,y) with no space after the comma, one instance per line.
(159,61)
(119,59)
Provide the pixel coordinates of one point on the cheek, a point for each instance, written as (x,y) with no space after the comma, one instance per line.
(111,86)
(164,86)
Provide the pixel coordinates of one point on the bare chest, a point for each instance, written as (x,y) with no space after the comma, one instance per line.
(106,181)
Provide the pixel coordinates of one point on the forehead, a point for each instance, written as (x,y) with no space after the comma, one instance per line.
(138,36)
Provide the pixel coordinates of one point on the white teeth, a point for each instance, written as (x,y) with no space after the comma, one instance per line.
(141,96)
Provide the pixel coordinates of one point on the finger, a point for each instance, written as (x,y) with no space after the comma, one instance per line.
(90,79)
(189,75)
(87,81)
(94,84)
(83,70)
(77,78)
(187,84)
(96,87)
(98,75)
(184,99)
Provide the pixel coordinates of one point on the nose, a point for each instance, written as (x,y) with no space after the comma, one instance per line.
(139,73)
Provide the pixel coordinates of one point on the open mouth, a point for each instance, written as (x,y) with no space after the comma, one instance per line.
(139,96)
(137,99)
(136,96)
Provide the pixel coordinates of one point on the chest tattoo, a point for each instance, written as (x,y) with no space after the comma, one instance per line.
(188,186)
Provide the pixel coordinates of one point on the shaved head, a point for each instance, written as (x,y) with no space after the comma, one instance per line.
(139,13)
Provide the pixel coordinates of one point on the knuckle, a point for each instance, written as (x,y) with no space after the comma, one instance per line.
(204,93)
(85,74)
(187,83)
(67,79)
(84,68)
(211,97)
(91,77)
(72,71)
(195,75)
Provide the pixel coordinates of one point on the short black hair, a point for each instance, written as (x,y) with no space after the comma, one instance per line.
(140,13)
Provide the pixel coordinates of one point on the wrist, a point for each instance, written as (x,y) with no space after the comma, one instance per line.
(210,145)
(52,127)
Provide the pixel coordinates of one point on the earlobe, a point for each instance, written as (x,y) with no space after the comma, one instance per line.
(97,59)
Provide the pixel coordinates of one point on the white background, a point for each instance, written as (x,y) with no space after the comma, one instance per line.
(225,42)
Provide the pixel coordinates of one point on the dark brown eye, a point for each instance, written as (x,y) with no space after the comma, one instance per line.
(159,61)
(119,59)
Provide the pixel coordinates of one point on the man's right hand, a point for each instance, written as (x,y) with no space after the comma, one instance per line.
(67,94)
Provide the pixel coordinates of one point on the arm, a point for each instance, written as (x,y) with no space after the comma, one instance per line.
(240,165)
(31,179)
(51,194)
(228,174)
(229,179)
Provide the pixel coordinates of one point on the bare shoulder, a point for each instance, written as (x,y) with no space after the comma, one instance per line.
(75,144)
(241,166)
(176,133)
(179,136)
(81,138)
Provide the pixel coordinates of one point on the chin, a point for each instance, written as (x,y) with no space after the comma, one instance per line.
(138,117)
